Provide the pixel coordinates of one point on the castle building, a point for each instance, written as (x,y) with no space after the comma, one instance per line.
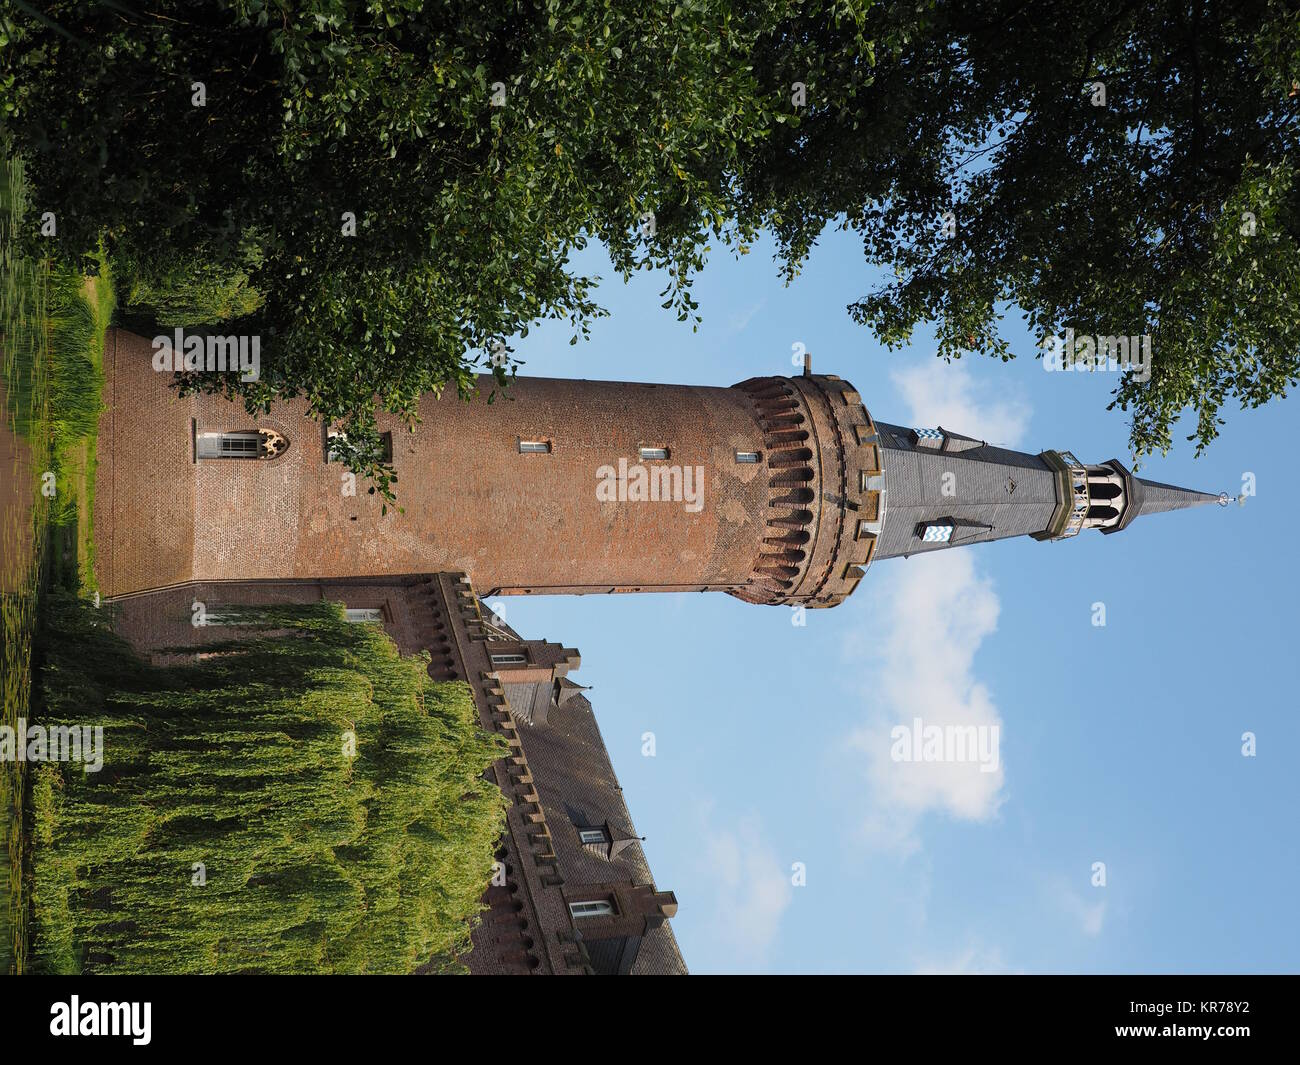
(778,490)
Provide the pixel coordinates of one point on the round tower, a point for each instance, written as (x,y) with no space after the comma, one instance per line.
(769,490)
(763,490)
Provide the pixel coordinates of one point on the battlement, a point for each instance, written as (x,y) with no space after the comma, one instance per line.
(825,490)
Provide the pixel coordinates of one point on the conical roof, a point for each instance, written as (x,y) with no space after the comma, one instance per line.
(1152,497)
(1155,498)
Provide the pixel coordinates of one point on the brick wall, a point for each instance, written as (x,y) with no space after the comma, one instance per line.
(472,502)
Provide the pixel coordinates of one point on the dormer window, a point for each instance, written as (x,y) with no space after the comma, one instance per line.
(950,530)
(654,454)
(941,439)
(509,660)
(748,456)
(592,908)
(597,836)
(370,615)
(936,532)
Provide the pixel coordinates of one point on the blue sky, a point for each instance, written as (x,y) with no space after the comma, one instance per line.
(1119,744)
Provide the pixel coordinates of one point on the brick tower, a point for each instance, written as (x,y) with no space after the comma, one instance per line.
(777,490)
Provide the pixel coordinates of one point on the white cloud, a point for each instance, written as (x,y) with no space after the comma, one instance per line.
(752,888)
(917,642)
(946,394)
(930,614)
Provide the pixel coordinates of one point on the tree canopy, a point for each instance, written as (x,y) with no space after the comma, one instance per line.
(476,147)
(1114,167)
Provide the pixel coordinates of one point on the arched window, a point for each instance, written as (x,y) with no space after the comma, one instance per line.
(240,444)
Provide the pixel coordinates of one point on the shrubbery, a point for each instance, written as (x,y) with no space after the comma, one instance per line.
(230,830)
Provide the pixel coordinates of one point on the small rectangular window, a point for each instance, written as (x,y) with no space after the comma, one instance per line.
(747,456)
(331,455)
(653,454)
(509,660)
(365,615)
(534,447)
(592,908)
(592,835)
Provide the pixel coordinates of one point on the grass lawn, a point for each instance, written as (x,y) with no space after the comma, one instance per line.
(81,312)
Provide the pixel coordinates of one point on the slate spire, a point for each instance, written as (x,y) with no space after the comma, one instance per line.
(943,489)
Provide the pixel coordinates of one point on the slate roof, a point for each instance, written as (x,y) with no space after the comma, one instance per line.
(996,493)
(575,781)
(1156,498)
(577,787)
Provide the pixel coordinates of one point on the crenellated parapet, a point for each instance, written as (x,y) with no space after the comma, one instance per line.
(825,490)
(528,839)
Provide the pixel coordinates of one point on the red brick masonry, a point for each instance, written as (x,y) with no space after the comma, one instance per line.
(779,530)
